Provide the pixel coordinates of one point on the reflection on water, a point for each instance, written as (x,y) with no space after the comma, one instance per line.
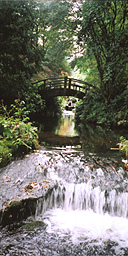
(63,135)
(94,139)
(67,125)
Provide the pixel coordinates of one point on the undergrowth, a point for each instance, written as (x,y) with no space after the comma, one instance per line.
(17,134)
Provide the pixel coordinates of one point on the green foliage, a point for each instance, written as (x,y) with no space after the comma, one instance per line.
(20,53)
(15,130)
(5,150)
(103,38)
(38,35)
(104,35)
(33,102)
(35,37)
(55,36)
(93,109)
(88,67)
(123,145)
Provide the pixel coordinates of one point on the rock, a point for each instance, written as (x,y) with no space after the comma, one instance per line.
(16,211)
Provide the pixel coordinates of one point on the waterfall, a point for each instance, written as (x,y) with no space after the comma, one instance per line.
(87,213)
(84,196)
(87,204)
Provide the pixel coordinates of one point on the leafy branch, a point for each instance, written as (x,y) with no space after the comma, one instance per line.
(123,145)
(15,131)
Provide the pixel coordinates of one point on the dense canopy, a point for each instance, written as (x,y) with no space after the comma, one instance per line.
(52,38)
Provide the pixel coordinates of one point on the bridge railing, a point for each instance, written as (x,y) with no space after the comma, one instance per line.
(53,83)
(62,86)
(64,83)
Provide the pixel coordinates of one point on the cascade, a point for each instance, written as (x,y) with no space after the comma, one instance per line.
(84,197)
(83,212)
(86,212)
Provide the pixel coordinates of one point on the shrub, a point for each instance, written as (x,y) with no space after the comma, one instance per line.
(123,145)
(94,109)
(16,131)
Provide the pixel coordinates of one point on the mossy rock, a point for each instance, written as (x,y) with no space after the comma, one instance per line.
(33,225)
(17,211)
(13,204)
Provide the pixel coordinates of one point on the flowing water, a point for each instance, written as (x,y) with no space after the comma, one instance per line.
(86,213)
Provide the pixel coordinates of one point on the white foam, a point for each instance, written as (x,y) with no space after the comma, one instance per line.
(88,225)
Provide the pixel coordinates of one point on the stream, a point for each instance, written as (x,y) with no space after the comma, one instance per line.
(86,212)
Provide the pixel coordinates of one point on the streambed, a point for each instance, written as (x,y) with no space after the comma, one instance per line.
(75,202)
(86,213)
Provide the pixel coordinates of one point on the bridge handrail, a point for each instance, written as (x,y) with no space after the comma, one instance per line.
(82,82)
(46,79)
(65,84)
(61,84)
(63,78)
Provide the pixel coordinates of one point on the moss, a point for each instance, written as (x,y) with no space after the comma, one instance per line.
(6,149)
(14,203)
(18,210)
(34,224)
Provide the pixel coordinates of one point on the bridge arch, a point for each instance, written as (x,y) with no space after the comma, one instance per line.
(63,86)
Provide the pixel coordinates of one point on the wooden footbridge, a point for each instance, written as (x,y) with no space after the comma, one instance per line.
(63,86)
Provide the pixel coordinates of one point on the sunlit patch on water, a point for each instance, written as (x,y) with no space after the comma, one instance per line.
(87,226)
